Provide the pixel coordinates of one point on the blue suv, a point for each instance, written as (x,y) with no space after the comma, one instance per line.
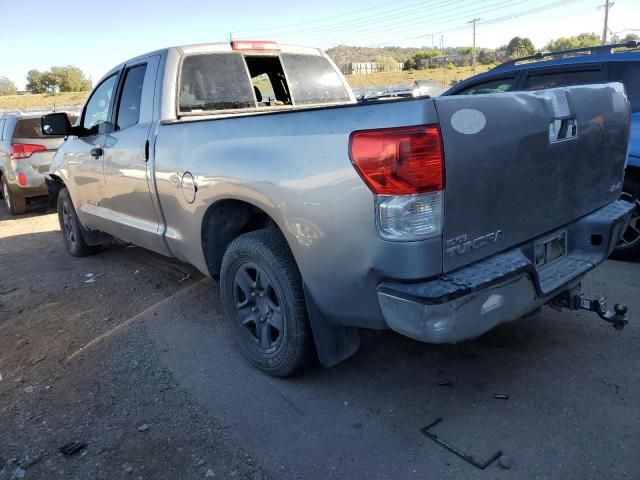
(618,62)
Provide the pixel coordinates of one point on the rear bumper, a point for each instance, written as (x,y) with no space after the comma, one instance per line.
(35,186)
(470,301)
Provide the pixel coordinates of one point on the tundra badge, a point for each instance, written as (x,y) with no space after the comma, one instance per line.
(462,244)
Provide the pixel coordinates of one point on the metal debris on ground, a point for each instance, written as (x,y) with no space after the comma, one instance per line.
(143,428)
(4,292)
(91,278)
(445,383)
(72,448)
(467,458)
(19,473)
(501,396)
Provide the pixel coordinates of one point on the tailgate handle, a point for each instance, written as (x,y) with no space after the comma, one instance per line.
(561,129)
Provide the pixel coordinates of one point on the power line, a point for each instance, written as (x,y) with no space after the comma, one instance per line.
(297,24)
(444,15)
(370,20)
(492,21)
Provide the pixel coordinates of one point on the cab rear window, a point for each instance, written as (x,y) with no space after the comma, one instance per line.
(238,81)
(215,82)
(313,79)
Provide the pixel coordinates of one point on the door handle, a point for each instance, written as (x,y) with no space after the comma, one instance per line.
(96,152)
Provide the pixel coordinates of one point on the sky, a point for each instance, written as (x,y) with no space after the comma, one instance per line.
(96,36)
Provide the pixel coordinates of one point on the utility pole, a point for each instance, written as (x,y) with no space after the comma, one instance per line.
(474,21)
(607,6)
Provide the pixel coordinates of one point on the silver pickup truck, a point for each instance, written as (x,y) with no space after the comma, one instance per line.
(439,218)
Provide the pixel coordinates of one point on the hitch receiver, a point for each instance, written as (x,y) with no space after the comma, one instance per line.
(574,300)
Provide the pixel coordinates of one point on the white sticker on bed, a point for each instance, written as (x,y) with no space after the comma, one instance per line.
(468,121)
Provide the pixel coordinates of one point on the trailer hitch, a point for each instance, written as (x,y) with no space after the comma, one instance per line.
(617,317)
(574,300)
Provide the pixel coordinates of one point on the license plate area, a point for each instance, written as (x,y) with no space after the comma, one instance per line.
(550,248)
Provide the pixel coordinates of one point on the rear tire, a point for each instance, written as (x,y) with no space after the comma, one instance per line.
(16,205)
(71,228)
(263,299)
(629,247)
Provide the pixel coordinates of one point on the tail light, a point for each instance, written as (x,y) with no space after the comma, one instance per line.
(254,45)
(20,151)
(404,168)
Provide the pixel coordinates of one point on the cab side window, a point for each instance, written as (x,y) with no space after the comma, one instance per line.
(492,86)
(96,114)
(540,81)
(131,97)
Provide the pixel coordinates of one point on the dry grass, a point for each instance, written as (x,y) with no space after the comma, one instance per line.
(42,101)
(443,76)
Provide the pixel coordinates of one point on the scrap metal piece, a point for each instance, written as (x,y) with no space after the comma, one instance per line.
(501,396)
(445,383)
(72,448)
(467,458)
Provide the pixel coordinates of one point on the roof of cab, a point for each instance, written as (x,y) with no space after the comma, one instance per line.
(198,48)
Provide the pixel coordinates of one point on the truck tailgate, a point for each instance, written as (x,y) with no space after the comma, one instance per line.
(519,165)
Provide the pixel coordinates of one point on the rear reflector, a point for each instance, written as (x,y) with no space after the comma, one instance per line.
(22,179)
(19,151)
(399,161)
(254,45)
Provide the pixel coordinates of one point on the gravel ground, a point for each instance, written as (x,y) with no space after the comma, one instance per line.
(138,366)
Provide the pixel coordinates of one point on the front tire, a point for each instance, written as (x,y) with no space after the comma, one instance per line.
(71,228)
(263,299)
(15,205)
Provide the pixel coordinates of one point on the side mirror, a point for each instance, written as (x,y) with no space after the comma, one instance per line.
(56,124)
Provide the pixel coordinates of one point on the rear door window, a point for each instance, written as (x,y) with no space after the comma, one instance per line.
(542,80)
(217,81)
(629,74)
(2,122)
(128,112)
(313,80)
(500,85)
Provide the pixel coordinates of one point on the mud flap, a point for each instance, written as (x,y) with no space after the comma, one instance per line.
(334,343)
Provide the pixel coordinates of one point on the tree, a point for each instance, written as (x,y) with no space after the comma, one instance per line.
(420,59)
(61,79)
(520,47)
(37,81)
(465,51)
(578,41)
(7,87)
(486,57)
(631,37)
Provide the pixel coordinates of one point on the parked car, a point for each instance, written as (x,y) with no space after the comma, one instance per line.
(608,63)
(25,157)
(320,215)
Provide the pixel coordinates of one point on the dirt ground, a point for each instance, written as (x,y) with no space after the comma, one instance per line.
(127,353)
(77,366)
